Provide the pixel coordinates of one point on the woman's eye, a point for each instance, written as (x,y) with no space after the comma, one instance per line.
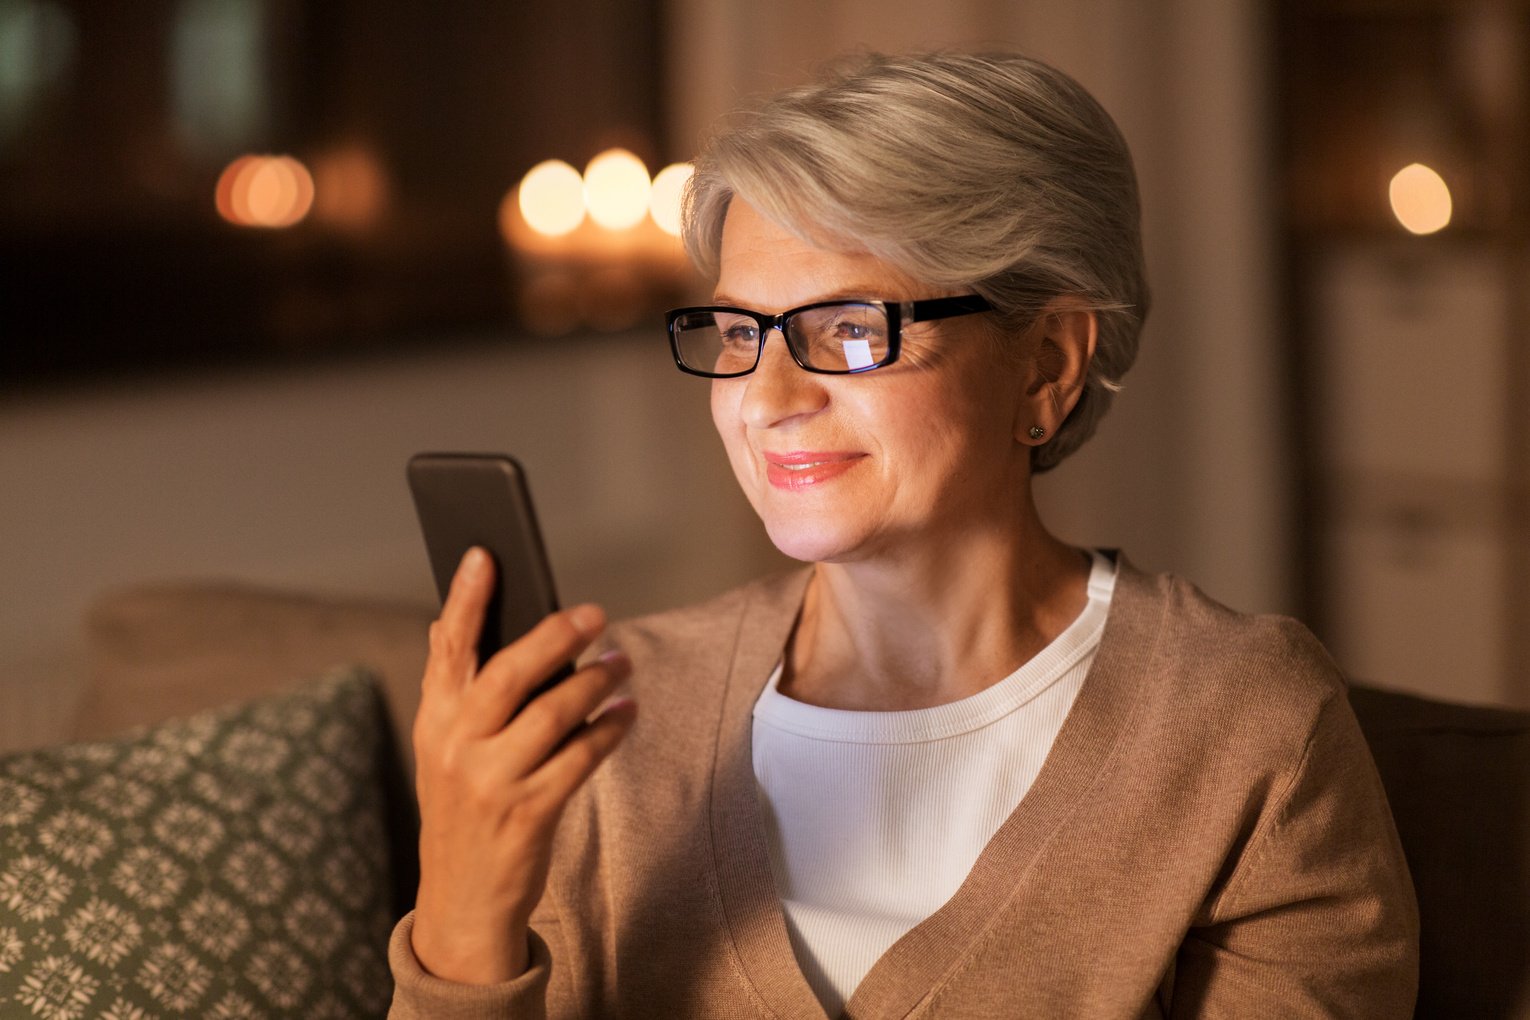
(740,335)
(848,330)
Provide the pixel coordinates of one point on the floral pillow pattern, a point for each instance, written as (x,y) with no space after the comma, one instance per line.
(233,864)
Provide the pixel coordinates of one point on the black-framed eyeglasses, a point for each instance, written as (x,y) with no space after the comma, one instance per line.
(831,337)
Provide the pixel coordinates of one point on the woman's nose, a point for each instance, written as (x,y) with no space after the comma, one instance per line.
(779,389)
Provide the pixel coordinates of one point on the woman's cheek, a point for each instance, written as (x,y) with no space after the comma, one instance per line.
(730,428)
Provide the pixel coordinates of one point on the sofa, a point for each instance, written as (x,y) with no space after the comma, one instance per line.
(248,750)
(232,831)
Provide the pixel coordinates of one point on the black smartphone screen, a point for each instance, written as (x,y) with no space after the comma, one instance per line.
(468,499)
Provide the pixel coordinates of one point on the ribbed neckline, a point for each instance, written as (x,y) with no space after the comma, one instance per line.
(949,720)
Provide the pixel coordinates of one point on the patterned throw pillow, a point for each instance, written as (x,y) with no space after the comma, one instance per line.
(231,864)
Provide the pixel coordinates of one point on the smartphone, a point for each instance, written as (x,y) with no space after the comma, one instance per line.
(468,499)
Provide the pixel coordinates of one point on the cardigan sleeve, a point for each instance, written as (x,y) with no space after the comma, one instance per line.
(1319,917)
(419,995)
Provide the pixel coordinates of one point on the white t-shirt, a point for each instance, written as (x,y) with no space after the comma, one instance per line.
(875,818)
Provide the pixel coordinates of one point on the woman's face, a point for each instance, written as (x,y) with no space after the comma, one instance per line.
(850,467)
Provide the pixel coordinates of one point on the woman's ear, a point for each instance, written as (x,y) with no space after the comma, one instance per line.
(1062,346)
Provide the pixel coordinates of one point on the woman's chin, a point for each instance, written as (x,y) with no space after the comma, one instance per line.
(811,544)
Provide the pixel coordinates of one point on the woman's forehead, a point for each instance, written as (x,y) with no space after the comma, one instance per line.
(765,266)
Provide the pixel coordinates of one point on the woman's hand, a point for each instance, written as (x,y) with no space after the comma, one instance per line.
(491,793)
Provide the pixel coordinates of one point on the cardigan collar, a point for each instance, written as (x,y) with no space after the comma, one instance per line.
(915,965)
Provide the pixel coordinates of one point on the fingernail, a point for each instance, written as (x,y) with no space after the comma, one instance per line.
(474,560)
(587,619)
(615,656)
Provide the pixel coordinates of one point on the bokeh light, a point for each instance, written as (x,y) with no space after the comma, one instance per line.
(351,188)
(616,189)
(1420,199)
(265,191)
(664,201)
(551,198)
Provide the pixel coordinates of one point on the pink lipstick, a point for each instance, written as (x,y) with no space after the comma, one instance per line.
(801,468)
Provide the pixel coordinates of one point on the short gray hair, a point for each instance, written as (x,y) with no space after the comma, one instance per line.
(986,171)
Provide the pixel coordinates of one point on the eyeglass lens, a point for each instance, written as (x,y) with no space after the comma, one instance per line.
(836,338)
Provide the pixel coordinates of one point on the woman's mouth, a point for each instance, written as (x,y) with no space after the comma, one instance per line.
(801,468)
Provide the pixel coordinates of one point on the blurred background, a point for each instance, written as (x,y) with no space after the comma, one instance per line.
(254,253)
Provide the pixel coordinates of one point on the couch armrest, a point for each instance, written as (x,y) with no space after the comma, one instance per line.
(1458,780)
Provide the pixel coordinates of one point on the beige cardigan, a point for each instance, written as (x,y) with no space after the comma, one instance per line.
(1208,838)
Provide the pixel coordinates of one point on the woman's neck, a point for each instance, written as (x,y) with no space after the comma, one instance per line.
(925,629)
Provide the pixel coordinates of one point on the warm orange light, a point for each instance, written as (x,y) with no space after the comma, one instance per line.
(1420,199)
(224,195)
(270,194)
(664,201)
(265,191)
(616,188)
(551,198)
(350,187)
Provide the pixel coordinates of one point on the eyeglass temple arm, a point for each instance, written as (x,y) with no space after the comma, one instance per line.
(942,308)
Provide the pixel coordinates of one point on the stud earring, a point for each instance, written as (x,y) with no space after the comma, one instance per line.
(1037,432)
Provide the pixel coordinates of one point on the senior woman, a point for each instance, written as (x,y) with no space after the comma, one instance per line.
(955,767)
